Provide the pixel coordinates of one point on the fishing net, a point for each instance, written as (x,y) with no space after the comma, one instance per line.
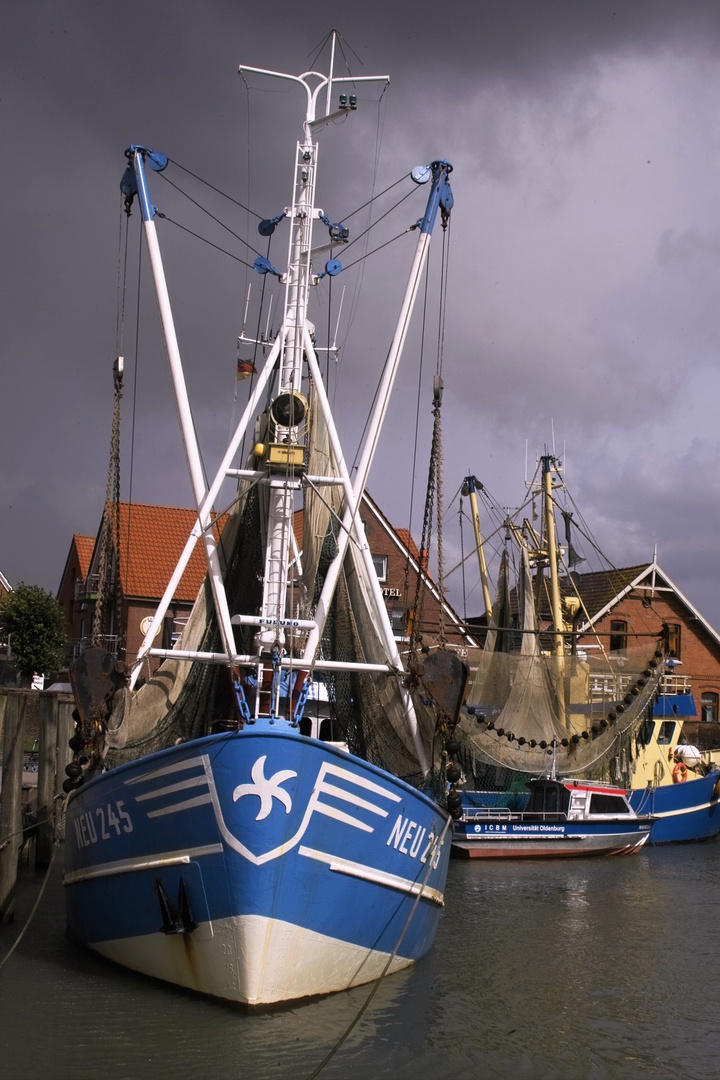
(182,699)
(370,711)
(525,710)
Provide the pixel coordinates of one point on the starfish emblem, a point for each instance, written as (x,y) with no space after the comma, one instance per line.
(266,789)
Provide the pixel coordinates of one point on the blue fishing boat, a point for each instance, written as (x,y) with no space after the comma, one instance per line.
(682,813)
(212,840)
(685,806)
(546,683)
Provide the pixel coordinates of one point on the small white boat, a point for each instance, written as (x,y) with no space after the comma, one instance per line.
(562,818)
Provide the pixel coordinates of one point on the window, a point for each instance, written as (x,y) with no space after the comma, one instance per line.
(673,639)
(709,707)
(618,635)
(608,804)
(397,618)
(645,732)
(380,564)
(550,799)
(667,730)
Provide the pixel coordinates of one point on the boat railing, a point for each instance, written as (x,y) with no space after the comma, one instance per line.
(504,814)
(74,649)
(607,688)
(478,813)
(674,684)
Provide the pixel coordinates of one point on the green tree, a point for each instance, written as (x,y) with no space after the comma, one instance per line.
(33,623)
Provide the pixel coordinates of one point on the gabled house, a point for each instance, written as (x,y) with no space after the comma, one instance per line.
(151,539)
(637,604)
(76,586)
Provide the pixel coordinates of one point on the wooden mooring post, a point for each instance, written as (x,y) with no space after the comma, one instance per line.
(56,728)
(11,823)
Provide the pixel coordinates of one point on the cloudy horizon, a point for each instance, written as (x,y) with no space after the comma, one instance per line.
(584,263)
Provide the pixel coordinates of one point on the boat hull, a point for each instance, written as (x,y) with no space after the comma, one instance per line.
(683,812)
(526,840)
(260,867)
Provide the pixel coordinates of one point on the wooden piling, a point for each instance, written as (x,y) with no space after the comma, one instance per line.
(11,800)
(56,729)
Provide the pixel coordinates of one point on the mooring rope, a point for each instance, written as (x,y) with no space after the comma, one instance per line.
(383,973)
(35,907)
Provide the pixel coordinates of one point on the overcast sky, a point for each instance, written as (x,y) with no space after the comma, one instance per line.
(584,259)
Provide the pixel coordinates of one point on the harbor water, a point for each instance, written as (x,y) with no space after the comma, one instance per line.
(550,970)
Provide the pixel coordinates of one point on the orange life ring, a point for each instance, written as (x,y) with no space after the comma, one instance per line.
(679,773)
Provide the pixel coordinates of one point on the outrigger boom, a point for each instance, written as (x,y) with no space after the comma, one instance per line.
(293,345)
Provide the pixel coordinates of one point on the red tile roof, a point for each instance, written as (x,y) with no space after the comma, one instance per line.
(152,539)
(408,542)
(403,535)
(84,546)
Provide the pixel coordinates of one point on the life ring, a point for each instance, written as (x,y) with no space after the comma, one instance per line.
(679,773)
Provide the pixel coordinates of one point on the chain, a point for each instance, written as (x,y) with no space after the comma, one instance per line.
(433,497)
(108,582)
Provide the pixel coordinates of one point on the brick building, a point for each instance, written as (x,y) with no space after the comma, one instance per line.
(635,605)
(151,541)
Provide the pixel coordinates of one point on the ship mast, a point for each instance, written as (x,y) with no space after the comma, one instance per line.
(470,488)
(548,467)
(280,460)
(289,408)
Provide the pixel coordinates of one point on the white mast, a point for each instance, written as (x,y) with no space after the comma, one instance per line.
(280,461)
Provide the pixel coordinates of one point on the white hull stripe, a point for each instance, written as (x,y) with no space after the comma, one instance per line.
(127,866)
(377,877)
(167,770)
(686,810)
(182,785)
(189,804)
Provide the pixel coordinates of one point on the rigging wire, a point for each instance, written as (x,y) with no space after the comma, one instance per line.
(360,236)
(354,300)
(376,984)
(184,228)
(433,513)
(134,400)
(208,213)
(462,560)
(218,191)
(33,912)
(340,41)
(123,228)
(374,198)
(413,472)
(380,248)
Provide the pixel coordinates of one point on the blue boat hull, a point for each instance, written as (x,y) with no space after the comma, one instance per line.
(258,866)
(683,812)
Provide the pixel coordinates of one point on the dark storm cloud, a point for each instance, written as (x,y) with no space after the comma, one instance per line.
(585,245)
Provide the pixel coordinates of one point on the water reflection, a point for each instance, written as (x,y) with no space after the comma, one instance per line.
(546,971)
